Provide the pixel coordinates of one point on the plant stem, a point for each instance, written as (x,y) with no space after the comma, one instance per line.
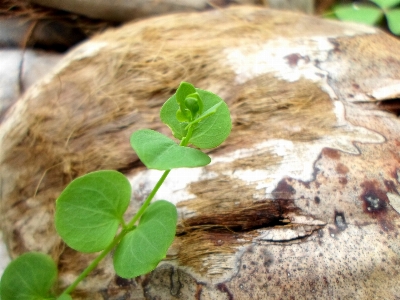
(95,262)
(148,200)
(185,140)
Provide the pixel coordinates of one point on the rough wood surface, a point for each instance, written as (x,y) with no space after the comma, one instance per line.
(301,202)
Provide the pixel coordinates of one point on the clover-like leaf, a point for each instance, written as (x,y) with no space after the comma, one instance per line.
(386,3)
(159,152)
(393,19)
(211,131)
(90,209)
(358,13)
(29,277)
(142,249)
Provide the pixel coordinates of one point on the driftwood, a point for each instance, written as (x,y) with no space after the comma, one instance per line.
(301,202)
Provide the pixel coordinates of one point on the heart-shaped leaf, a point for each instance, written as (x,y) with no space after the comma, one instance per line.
(159,152)
(29,277)
(358,13)
(386,3)
(393,19)
(211,131)
(90,209)
(142,249)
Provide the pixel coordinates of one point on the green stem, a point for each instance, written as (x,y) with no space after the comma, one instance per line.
(186,139)
(148,200)
(184,143)
(95,262)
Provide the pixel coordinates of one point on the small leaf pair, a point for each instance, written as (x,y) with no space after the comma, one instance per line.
(210,128)
(195,115)
(90,210)
(371,14)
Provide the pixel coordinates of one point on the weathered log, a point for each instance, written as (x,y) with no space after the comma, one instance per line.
(301,202)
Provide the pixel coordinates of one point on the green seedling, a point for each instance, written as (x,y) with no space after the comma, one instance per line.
(371,13)
(90,212)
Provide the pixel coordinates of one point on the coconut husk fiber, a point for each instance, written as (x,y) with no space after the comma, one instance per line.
(301,200)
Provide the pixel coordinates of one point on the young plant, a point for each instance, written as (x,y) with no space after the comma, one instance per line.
(371,14)
(90,211)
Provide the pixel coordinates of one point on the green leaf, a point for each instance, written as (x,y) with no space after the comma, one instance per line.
(142,249)
(90,209)
(194,104)
(386,3)
(208,113)
(210,132)
(393,19)
(184,89)
(358,13)
(29,277)
(64,297)
(159,152)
